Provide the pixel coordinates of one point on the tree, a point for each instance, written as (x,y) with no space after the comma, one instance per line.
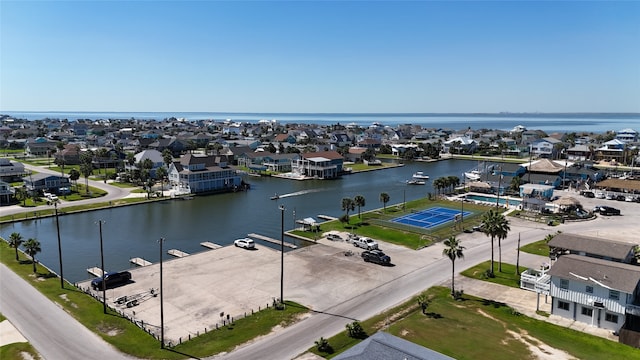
(32,247)
(161,174)
(453,250)
(74,175)
(359,201)
(348,205)
(384,198)
(323,345)
(355,330)
(15,240)
(86,167)
(495,225)
(21,195)
(167,157)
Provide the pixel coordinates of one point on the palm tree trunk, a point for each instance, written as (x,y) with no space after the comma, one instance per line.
(17,258)
(33,261)
(492,255)
(499,255)
(453,272)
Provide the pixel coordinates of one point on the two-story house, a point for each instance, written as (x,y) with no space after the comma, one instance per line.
(200,174)
(321,165)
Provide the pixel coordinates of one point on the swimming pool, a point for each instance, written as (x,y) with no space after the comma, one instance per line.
(492,200)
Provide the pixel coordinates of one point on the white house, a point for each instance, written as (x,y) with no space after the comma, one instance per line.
(199,174)
(627,135)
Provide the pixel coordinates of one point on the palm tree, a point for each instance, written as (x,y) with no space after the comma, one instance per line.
(15,240)
(453,250)
(348,205)
(167,157)
(494,224)
(32,247)
(384,198)
(359,201)
(86,167)
(74,175)
(161,174)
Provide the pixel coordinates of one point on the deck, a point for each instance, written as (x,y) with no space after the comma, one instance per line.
(271,240)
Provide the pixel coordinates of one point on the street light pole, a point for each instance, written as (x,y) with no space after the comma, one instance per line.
(104,287)
(281,256)
(55,206)
(499,186)
(161,300)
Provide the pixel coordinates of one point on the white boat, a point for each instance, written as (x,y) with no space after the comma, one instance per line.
(473,175)
(416,182)
(420,175)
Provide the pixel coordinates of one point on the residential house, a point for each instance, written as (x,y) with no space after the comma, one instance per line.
(40,147)
(370,143)
(281,138)
(201,174)
(627,135)
(321,165)
(10,170)
(611,150)
(382,345)
(340,139)
(69,155)
(598,292)
(610,250)
(154,155)
(7,193)
(578,153)
(546,147)
(43,182)
(460,145)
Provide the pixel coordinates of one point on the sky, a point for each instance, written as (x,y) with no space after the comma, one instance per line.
(320,56)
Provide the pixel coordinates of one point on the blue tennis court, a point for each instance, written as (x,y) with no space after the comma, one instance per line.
(430,218)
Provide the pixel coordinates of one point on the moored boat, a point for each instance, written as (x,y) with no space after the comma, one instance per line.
(420,175)
(416,182)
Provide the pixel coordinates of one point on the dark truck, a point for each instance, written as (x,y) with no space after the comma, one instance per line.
(111,279)
(376,256)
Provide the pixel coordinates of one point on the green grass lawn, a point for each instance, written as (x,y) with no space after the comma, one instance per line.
(360,167)
(130,339)
(538,248)
(475,328)
(508,276)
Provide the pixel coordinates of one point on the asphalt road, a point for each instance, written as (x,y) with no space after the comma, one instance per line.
(53,332)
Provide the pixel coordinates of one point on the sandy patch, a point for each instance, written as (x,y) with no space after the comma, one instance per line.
(9,334)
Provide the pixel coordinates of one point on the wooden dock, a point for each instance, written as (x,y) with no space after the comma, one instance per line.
(271,240)
(95,271)
(326,217)
(139,261)
(177,253)
(210,245)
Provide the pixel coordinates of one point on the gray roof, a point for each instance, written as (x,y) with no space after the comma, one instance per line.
(603,247)
(384,346)
(611,274)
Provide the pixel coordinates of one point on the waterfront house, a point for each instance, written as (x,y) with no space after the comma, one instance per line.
(578,153)
(7,192)
(201,174)
(611,150)
(545,147)
(154,155)
(321,165)
(460,145)
(627,135)
(43,182)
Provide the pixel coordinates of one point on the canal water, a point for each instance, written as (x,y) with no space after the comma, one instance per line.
(134,231)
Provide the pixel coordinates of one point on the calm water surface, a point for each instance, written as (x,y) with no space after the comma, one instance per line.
(134,231)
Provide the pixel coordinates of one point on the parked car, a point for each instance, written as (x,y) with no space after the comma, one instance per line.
(608,210)
(600,195)
(334,237)
(245,243)
(620,198)
(111,279)
(376,256)
(365,243)
(587,194)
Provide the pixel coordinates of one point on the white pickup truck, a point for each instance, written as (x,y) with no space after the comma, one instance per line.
(365,243)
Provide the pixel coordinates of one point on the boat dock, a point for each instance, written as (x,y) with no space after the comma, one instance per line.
(327,217)
(177,253)
(271,240)
(95,271)
(210,245)
(139,261)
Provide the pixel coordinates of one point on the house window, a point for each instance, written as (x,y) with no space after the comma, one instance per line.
(587,311)
(611,318)
(564,284)
(563,305)
(589,289)
(614,295)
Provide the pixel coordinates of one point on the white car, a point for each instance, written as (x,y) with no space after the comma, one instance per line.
(365,243)
(245,243)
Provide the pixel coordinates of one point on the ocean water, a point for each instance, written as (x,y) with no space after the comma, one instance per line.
(588,122)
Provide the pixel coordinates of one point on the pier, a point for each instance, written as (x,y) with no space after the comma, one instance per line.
(177,253)
(210,245)
(139,261)
(95,271)
(271,240)
(327,217)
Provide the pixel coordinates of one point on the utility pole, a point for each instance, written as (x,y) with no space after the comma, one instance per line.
(161,299)
(282,256)
(55,206)
(104,286)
